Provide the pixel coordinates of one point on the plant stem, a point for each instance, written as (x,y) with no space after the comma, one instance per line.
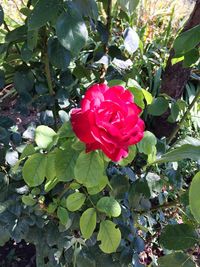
(106,46)
(48,75)
(173,134)
(164,206)
(88,196)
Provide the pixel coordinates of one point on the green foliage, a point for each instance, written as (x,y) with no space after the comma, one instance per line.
(44,136)
(178,259)
(88,222)
(42,13)
(58,55)
(109,236)
(109,206)
(128,5)
(89,169)
(178,237)
(186,151)
(75,201)
(65,162)
(158,107)
(77,208)
(71,31)
(62,214)
(194,197)
(34,169)
(186,41)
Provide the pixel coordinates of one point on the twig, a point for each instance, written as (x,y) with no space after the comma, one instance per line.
(173,134)
(164,206)
(48,76)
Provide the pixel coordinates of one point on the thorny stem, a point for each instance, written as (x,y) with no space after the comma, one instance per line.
(48,77)
(174,133)
(164,206)
(106,46)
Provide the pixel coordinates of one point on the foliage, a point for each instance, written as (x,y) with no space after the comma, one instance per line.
(77,208)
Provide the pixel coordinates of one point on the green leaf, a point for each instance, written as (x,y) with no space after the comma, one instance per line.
(18,34)
(175,60)
(131,40)
(50,166)
(120,185)
(75,201)
(187,40)
(23,81)
(52,207)
(5,236)
(138,96)
(29,200)
(43,12)
(89,168)
(32,38)
(102,182)
(110,237)
(50,184)
(194,197)
(85,259)
(191,57)
(66,130)
(26,53)
(177,259)
(28,151)
(148,96)
(88,222)
(58,55)
(65,163)
(116,82)
(87,8)
(147,144)
(174,112)
(178,236)
(63,215)
(44,136)
(1,15)
(34,170)
(71,31)
(109,206)
(137,191)
(128,6)
(158,107)
(185,151)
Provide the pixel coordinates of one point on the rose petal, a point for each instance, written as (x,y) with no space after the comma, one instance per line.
(117,155)
(81,125)
(93,96)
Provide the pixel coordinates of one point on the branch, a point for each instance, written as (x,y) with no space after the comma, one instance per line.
(48,74)
(164,206)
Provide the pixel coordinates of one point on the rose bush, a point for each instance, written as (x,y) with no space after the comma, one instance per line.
(108,119)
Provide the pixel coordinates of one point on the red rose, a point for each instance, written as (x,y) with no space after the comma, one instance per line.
(108,120)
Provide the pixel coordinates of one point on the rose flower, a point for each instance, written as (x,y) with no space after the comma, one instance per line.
(108,119)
